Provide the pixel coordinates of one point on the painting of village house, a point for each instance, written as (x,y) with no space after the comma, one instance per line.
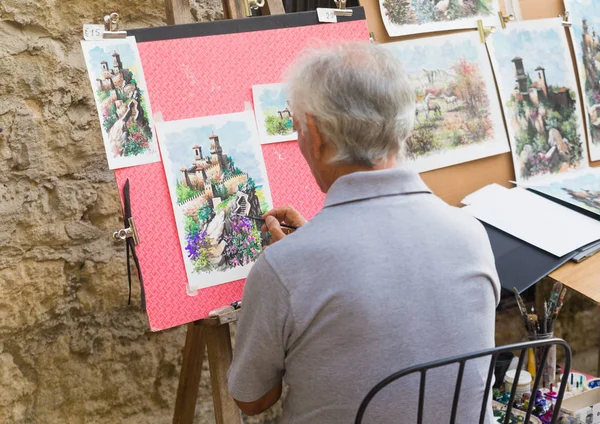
(457,117)
(217,180)
(402,17)
(585,33)
(581,190)
(539,95)
(119,87)
(273,113)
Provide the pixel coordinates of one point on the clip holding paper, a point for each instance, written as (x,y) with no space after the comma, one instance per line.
(130,232)
(483,31)
(341,8)
(505,19)
(565,19)
(112,25)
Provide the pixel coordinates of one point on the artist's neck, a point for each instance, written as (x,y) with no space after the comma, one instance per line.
(344,169)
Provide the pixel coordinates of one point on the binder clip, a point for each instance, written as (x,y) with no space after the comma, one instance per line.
(505,19)
(130,232)
(565,19)
(253,5)
(341,8)
(483,31)
(111,23)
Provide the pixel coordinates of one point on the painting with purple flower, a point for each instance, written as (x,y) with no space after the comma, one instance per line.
(216,177)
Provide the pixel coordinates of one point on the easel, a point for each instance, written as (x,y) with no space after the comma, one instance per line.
(211,334)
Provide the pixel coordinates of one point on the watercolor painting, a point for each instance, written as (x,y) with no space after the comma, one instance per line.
(582,190)
(217,179)
(273,113)
(121,97)
(403,17)
(457,117)
(585,18)
(538,89)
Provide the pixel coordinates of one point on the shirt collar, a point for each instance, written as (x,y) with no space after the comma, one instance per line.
(370,184)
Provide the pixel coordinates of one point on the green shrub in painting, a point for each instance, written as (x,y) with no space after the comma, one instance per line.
(276,125)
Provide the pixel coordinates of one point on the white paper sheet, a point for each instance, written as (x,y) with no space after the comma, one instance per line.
(121,96)
(216,176)
(273,114)
(535,220)
(458,117)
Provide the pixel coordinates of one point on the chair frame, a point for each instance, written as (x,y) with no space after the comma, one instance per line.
(462,359)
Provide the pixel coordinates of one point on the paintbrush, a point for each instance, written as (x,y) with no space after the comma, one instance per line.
(259,218)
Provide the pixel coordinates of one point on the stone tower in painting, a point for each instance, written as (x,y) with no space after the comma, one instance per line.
(589,49)
(216,151)
(520,75)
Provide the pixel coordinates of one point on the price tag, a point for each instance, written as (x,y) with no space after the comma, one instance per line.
(326,15)
(93,32)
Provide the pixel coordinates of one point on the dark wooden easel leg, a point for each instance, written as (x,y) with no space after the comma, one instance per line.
(218,341)
(191,369)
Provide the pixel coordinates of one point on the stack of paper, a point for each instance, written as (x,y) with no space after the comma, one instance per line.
(533,219)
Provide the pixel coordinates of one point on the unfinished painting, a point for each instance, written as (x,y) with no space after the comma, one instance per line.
(582,190)
(119,87)
(538,89)
(457,117)
(585,16)
(402,17)
(273,113)
(217,181)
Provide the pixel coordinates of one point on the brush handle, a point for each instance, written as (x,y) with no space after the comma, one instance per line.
(258,218)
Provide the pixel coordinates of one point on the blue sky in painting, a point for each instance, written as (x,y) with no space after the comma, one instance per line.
(273,97)
(536,47)
(104,53)
(584,9)
(416,57)
(235,139)
(584,182)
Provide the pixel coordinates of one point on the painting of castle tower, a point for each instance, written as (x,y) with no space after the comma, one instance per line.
(217,180)
(274,116)
(119,88)
(585,33)
(539,96)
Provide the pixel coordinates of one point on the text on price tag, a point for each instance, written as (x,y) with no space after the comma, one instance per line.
(93,32)
(326,15)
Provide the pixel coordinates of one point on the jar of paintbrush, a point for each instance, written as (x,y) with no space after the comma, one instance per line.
(541,327)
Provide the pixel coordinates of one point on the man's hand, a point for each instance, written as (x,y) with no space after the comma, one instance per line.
(284,214)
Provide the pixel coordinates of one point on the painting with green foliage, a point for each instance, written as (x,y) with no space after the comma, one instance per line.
(402,17)
(273,114)
(537,85)
(120,93)
(217,181)
(457,116)
(585,18)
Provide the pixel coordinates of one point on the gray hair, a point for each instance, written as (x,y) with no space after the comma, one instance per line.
(362,101)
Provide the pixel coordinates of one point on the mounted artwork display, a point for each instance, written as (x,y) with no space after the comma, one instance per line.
(538,89)
(119,86)
(403,17)
(217,178)
(585,18)
(458,118)
(273,113)
(581,190)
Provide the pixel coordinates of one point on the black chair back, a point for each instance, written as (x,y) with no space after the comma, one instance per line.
(543,345)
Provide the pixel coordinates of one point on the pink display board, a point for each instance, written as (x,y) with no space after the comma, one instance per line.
(202,76)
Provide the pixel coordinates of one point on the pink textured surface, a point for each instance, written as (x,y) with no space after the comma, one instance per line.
(205,76)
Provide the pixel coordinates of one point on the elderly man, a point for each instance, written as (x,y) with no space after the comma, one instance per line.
(386,276)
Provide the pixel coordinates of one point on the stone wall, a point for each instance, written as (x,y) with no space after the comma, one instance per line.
(71,349)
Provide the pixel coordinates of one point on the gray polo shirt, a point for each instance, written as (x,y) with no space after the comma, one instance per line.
(386,276)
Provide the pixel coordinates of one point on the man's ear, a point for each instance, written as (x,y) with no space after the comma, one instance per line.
(317,143)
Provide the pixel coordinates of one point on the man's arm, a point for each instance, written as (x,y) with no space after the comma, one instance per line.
(260,405)
(263,329)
